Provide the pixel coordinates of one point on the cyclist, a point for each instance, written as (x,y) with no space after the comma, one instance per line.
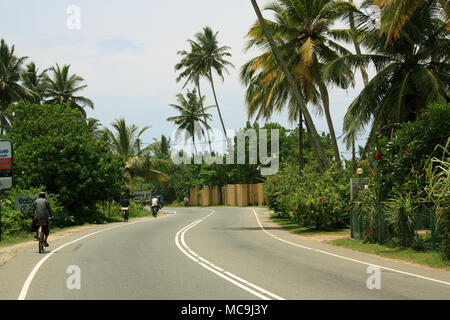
(125,203)
(155,206)
(42,213)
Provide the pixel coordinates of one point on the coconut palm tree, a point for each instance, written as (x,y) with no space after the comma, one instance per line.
(396,13)
(190,121)
(62,87)
(207,56)
(301,30)
(189,67)
(33,80)
(410,74)
(11,68)
(126,143)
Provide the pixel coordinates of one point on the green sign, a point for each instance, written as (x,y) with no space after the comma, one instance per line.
(142,196)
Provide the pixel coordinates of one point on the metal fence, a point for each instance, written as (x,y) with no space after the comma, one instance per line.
(418,230)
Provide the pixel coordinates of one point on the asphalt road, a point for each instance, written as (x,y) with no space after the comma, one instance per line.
(218,253)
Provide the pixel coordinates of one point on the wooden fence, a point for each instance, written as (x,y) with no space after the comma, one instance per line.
(231,195)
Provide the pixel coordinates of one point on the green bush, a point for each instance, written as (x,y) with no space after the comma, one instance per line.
(312,199)
(14,221)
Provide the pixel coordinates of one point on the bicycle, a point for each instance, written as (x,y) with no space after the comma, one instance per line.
(41,236)
(125,213)
(155,211)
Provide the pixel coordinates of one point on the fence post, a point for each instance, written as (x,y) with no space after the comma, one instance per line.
(380,223)
(352,221)
(433,230)
(403,225)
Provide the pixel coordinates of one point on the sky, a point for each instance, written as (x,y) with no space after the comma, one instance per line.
(126,52)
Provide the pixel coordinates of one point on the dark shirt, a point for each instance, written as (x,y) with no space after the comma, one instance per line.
(125,202)
(41,209)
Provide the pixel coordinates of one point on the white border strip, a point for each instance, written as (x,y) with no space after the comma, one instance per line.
(345,258)
(241,283)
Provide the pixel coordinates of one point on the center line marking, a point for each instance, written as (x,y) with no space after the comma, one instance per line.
(241,283)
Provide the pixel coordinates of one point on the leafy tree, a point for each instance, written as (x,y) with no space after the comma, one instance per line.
(396,13)
(126,144)
(11,68)
(207,56)
(192,117)
(34,81)
(411,74)
(54,148)
(62,88)
(190,68)
(302,32)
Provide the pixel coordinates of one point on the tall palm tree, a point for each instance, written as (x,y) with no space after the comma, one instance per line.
(33,80)
(190,69)
(411,74)
(126,143)
(62,89)
(301,29)
(396,13)
(191,118)
(11,68)
(208,56)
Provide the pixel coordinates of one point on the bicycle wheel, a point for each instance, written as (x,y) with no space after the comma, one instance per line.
(41,240)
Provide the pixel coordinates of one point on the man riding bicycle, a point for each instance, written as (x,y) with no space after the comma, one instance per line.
(155,206)
(42,213)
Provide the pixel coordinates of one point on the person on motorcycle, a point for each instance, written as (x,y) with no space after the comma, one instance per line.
(42,213)
(125,203)
(155,206)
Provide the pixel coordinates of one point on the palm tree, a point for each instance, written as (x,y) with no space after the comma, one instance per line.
(192,116)
(190,69)
(410,74)
(396,13)
(34,81)
(127,144)
(207,56)
(94,127)
(161,148)
(11,68)
(62,87)
(301,29)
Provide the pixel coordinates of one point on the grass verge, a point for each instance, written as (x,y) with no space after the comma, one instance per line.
(428,258)
(116,216)
(293,227)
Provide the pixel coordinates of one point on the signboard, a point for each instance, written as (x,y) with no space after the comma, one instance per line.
(25,203)
(6,164)
(142,196)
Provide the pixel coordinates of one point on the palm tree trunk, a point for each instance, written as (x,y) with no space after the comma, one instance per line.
(193,143)
(353,155)
(358,48)
(365,78)
(217,103)
(300,142)
(322,160)
(326,109)
(316,153)
(204,116)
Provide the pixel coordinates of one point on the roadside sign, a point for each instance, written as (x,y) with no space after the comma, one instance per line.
(25,203)
(6,164)
(142,196)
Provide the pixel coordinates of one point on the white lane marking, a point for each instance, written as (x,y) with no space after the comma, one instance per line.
(241,283)
(346,258)
(26,285)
